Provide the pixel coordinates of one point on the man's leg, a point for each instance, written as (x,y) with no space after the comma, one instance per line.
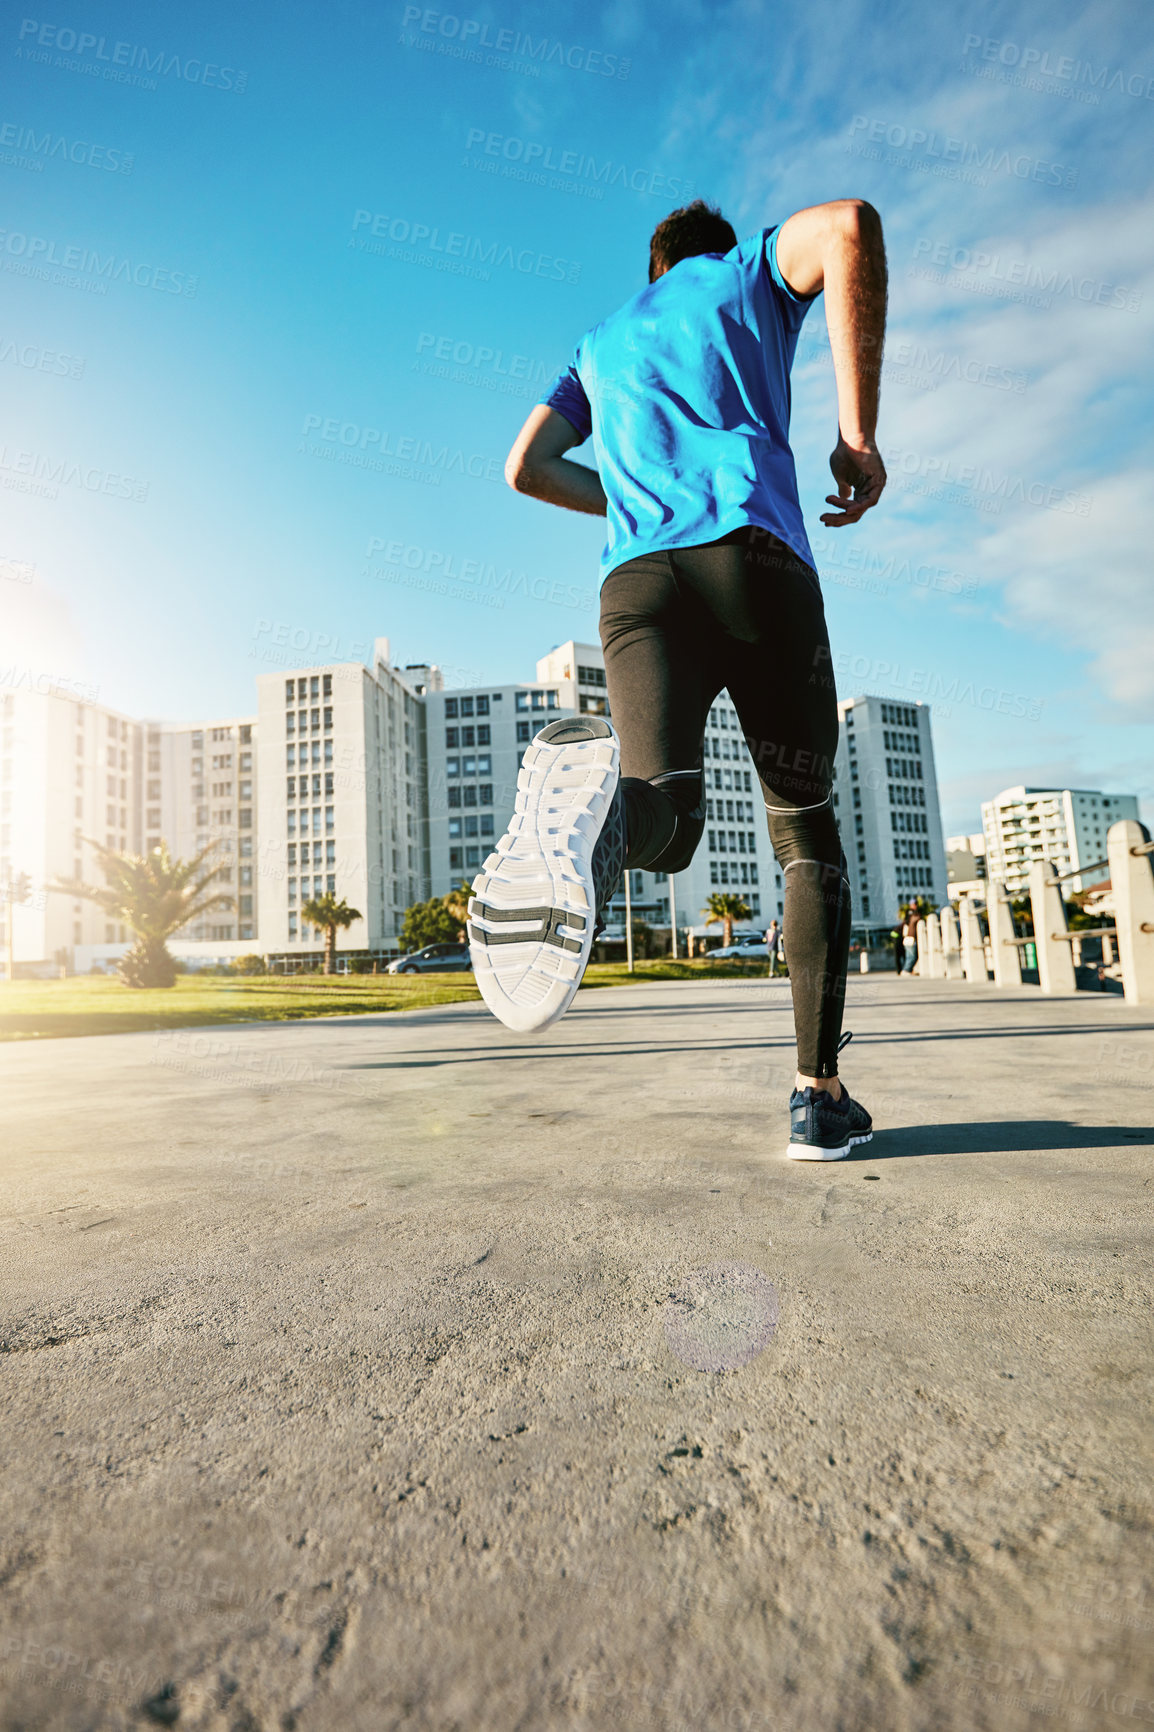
(660,688)
(759,591)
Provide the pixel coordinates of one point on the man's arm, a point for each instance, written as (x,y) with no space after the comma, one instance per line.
(839,247)
(537,465)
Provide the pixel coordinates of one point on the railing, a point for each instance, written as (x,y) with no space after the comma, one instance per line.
(943,953)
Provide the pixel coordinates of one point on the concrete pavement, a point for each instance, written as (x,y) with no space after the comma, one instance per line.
(400,1372)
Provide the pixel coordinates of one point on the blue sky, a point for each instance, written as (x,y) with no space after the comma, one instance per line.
(240,425)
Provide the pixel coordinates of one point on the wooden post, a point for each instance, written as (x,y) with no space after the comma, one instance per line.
(628,922)
(1132,888)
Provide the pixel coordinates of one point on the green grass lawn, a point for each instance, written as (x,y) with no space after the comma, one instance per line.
(99,1004)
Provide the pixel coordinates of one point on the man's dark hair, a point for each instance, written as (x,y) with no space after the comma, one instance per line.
(683,234)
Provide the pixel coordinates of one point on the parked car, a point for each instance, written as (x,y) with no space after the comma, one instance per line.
(744,944)
(434,959)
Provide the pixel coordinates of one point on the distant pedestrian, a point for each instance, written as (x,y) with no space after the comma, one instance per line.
(897,938)
(910,938)
(772,939)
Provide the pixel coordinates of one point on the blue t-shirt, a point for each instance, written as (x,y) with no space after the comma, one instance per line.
(685,390)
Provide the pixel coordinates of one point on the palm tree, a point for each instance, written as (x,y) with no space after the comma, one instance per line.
(155,895)
(725,908)
(457,903)
(327,913)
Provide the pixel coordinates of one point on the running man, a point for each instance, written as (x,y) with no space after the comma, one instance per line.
(707,575)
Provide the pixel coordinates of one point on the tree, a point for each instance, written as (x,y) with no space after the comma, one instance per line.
(457,903)
(428,923)
(251,964)
(327,913)
(724,908)
(155,895)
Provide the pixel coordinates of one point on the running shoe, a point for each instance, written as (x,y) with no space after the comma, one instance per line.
(537,902)
(822,1129)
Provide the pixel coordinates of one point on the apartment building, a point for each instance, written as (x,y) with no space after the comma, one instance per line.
(886,802)
(1065,825)
(343,773)
(70,771)
(199,788)
(966,865)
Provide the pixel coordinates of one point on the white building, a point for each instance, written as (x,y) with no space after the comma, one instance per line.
(200,787)
(477,737)
(886,802)
(966,865)
(1065,825)
(70,770)
(342,772)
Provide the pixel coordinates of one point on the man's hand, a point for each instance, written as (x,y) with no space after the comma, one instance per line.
(859,471)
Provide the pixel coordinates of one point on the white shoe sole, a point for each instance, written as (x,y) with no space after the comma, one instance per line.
(539,881)
(810,1152)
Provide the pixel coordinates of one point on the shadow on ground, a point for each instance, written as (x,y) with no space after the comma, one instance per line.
(994,1137)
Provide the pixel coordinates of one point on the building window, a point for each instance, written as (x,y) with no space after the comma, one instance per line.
(522,700)
(482,706)
(466,706)
(454,827)
(327,686)
(330,853)
(454,796)
(328,818)
(452,766)
(471,825)
(472,856)
(487,824)
(485,794)
(484,765)
(484,735)
(469,795)
(523,733)
(452,738)
(456,859)
(451,708)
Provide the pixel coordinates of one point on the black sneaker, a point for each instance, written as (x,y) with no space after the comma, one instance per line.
(822,1129)
(537,900)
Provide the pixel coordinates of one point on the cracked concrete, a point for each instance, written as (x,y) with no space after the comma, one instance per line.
(347,1367)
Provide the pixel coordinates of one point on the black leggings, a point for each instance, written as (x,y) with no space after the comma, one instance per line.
(743,614)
